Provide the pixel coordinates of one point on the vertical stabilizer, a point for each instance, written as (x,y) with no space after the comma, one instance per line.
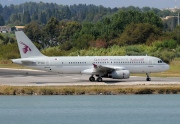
(26,47)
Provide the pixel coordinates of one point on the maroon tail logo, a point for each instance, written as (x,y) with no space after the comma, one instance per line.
(26,48)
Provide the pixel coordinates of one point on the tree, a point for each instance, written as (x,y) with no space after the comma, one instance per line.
(42,17)
(68,30)
(176,34)
(101,43)
(1,37)
(6,12)
(33,31)
(139,33)
(35,16)
(1,8)
(67,12)
(83,41)
(152,18)
(26,17)
(52,27)
(1,21)
(146,9)
(15,19)
(124,18)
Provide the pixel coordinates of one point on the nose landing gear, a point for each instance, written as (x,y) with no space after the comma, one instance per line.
(148,78)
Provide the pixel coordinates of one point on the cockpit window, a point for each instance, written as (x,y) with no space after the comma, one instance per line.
(160,61)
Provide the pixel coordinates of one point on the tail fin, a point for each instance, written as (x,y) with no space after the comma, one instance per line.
(26,47)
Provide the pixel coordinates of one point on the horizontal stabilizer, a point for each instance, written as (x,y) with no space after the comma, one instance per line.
(27,61)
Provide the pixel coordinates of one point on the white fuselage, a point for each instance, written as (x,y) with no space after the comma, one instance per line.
(116,67)
(75,65)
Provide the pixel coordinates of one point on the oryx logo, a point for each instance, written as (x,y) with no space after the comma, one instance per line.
(26,47)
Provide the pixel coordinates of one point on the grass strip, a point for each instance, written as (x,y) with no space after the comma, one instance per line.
(89,90)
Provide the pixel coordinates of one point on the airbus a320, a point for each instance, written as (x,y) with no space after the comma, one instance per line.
(98,67)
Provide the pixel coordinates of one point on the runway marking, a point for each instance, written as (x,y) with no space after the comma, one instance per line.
(68,76)
(23,69)
(76,78)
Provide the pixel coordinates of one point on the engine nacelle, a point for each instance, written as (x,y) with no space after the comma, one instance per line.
(120,74)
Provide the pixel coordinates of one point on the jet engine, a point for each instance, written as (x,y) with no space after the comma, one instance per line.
(120,74)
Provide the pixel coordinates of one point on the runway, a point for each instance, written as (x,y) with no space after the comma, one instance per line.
(24,77)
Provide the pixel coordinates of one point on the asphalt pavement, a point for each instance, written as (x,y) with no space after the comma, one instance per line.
(27,77)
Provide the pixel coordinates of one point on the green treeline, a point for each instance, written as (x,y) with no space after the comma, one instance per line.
(42,12)
(91,30)
(31,11)
(104,33)
(125,33)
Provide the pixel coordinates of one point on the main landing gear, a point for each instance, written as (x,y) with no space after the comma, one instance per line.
(148,78)
(92,79)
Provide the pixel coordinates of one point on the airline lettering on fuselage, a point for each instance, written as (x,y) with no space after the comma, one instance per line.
(137,60)
(98,60)
(122,59)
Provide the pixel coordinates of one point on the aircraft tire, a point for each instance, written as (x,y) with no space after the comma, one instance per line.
(148,79)
(99,79)
(92,79)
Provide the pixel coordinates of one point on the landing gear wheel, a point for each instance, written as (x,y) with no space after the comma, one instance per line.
(99,79)
(92,79)
(148,79)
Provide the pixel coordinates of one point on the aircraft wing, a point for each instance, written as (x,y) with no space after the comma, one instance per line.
(108,67)
(99,69)
(24,62)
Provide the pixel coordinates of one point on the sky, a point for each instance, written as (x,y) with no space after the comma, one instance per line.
(161,4)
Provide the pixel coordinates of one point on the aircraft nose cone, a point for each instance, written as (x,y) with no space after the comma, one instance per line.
(166,67)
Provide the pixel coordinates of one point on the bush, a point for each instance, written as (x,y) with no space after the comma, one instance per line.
(136,50)
(53,51)
(166,44)
(178,51)
(9,51)
(165,55)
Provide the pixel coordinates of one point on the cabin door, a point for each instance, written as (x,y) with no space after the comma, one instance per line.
(150,62)
(47,62)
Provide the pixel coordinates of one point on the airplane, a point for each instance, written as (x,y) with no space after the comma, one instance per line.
(115,67)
